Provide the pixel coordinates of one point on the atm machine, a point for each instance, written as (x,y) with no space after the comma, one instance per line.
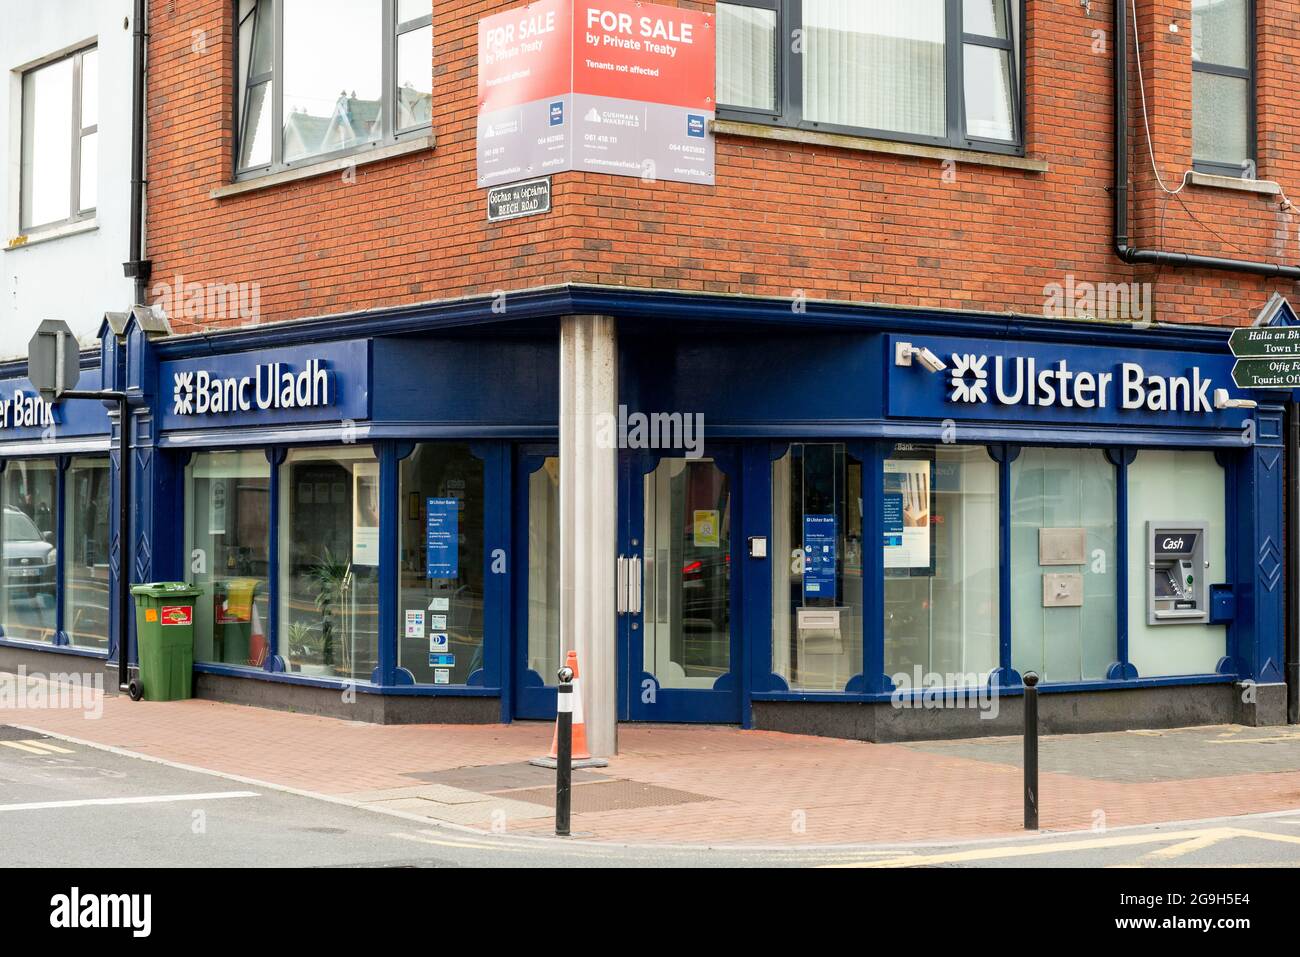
(1178,593)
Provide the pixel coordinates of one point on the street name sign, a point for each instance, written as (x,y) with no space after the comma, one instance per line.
(1282,372)
(1266,342)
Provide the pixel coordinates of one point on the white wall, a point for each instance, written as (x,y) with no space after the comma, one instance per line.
(77,277)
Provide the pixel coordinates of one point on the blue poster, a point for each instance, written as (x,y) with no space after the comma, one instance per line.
(442,538)
(893,519)
(819,565)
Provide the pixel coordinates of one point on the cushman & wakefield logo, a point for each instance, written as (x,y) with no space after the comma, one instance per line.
(1020,381)
(273,385)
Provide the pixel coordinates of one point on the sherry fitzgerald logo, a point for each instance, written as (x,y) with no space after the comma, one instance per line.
(273,385)
(1019,380)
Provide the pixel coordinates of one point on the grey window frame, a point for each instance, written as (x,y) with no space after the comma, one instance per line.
(391,31)
(789,80)
(1250,163)
(76,213)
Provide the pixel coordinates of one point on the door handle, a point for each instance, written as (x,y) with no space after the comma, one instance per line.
(620,573)
(634,585)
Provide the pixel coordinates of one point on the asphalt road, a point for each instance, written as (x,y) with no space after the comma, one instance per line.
(66,804)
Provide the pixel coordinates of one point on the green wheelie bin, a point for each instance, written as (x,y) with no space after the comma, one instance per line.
(164,630)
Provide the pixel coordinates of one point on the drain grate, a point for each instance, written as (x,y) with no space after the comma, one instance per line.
(610,796)
(499,777)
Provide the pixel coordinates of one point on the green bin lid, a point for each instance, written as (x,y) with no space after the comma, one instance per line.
(166,590)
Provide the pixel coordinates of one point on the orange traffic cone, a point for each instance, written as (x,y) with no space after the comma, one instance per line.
(580,752)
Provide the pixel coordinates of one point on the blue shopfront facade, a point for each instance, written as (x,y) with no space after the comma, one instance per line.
(815,530)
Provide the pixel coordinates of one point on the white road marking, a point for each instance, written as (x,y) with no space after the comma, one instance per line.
(152,799)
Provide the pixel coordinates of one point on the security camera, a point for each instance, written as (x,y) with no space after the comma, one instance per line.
(929,360)
(1221,401)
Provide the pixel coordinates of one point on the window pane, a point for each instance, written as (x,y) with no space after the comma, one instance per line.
(263,48)
(544,571)
(415,78)
(1220,108)
(256,138)
(328,623)
(227,517)
(941,565)
(47,144)
(1157,650)
(333,81)
(90,88)
(89,185)
(413,9)
(440,610)
(985,18)
(877,66)
(85,553)
(1221,32)
(30,494)
(746,57)
(987,86)
(817,604)
(1068,492)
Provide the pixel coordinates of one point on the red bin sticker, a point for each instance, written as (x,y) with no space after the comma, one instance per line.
(177,615)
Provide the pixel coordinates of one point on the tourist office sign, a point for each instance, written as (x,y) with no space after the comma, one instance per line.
(1267,357)
(607,86)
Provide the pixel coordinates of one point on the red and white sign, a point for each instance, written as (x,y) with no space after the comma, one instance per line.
(177,615)
(612,86)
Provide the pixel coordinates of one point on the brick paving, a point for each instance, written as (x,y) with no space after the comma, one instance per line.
(717,785)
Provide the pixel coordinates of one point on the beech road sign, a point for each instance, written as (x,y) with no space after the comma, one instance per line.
(53,359)
(1278,373)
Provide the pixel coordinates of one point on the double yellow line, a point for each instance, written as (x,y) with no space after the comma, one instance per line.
(36,746)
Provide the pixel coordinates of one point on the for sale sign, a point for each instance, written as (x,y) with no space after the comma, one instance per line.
(609,86)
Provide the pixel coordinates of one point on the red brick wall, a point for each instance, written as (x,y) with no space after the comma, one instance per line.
(783,218)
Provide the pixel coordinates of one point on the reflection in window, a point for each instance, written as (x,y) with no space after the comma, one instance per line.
(328,622)
(746,57)
(440,612)
(1200,497)
(1223,96)
(227,522)
(544,571)
(1071,494)
(940,514)
(29,496)
(60,140)
(816,558)
(85,553)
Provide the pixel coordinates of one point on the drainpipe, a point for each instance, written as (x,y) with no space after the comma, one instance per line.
(1150,257)
(137,267)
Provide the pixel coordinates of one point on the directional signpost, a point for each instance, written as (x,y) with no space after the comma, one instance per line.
(53,367)
(1267,357)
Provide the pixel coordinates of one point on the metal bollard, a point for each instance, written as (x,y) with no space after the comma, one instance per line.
(1031,751)
(564,752)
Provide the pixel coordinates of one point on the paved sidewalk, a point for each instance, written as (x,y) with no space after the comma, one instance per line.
(715,785)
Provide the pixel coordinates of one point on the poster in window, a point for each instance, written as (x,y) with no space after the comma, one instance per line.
(707,533)
(820,567)
(217,508)
(906,515)
(442,538)
(365,514)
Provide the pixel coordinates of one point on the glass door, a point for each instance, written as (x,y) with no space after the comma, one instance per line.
(537,587)
(678,635)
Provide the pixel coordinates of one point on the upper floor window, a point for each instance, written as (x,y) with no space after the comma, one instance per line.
(60,140)
(1223,86)
(319,78)
(944,72)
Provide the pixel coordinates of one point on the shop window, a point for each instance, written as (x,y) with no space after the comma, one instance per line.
(227,523)
(440,612)
(940,524)
(328,621)
(544,571)
(1223,86)
(1177,488)
(60,140)
(1063,564)
(29,492)
(928,71)
(87,518)
(331,76)
(817,600)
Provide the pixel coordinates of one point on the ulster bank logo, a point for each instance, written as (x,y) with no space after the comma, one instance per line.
(273,385)
(970,379)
